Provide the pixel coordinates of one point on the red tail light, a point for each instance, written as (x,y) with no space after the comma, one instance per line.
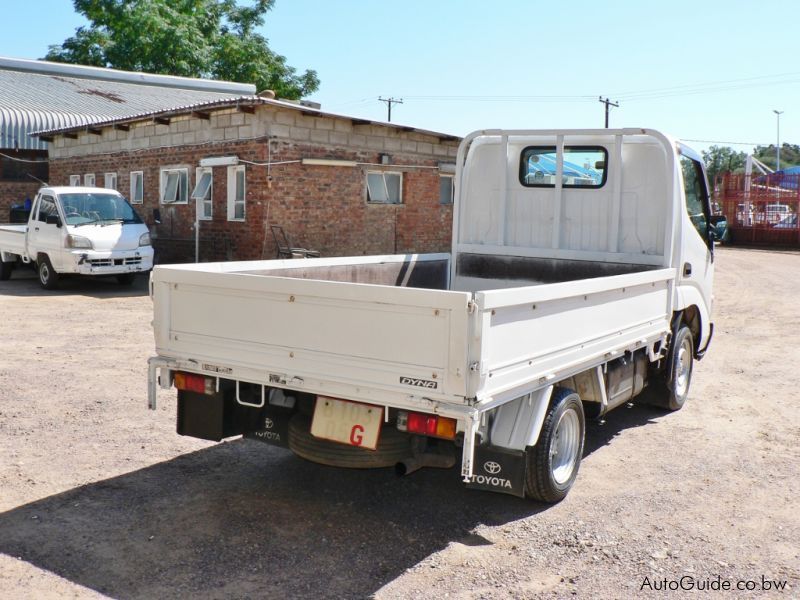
(430,425)
(190,382)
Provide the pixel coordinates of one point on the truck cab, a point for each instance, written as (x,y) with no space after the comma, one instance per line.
(82,231)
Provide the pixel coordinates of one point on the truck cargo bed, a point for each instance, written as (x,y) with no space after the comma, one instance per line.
(388,325)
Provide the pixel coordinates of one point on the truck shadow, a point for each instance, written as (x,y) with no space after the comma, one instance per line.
(246,520)
(24,283)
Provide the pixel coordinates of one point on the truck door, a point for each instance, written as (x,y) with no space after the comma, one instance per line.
(696,273)
(45,237)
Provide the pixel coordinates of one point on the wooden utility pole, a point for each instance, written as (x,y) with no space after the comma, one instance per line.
(389,102)
(608,103)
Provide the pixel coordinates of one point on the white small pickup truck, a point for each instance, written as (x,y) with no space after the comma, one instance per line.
(580,274)
(78,230)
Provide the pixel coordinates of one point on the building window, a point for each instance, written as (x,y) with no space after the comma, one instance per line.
(446,189)
(236,193)
(110,181)
(384,187)
(137,187)
(75,180)
(88,180)
(203,193)
(175,186)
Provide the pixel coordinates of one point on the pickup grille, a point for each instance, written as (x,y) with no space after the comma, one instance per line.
(115,262)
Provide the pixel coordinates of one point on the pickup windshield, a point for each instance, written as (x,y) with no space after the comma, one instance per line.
(84,209)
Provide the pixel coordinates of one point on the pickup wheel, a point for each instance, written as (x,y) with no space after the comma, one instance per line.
(5,270)
(670,389)
(48,277)
(393,447)
(552,464)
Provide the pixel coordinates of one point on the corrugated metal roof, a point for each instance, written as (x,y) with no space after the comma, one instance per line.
(231,103)
(37,95)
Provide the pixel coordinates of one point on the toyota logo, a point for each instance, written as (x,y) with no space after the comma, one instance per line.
(268,423)
(492,468)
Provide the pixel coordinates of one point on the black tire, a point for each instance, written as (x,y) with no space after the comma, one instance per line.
(48,278)
(670,389)
(126,278)
(393,447)
(5,270)
(553,463)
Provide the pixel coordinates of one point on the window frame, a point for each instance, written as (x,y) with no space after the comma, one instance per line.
(704,201)
(89,177)
(133,188)
(106,177)
(452,179)
(181,194)
(523,171)
(386,187)
(208,199)
(50,199)
(232,199)
(74,181)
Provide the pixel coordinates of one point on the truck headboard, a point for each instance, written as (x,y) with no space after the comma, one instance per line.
(599,195)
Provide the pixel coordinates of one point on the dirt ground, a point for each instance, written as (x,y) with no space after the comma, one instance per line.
(100,497)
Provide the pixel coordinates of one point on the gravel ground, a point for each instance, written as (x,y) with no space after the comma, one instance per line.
(100,497)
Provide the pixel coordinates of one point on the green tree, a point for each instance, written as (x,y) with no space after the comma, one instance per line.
(790,155)
(722,159)
(192,38)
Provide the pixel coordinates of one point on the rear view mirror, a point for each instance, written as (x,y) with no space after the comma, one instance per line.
(53,220)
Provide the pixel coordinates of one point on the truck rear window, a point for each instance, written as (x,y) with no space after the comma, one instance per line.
(584,166)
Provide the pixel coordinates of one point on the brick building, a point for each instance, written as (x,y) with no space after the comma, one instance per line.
(336,184)
(36,95)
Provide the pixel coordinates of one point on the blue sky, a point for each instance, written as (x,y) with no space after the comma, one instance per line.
(703,70)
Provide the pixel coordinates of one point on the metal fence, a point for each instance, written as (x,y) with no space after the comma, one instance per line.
(760,209)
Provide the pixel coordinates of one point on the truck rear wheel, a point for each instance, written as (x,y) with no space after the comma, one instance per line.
(393,447)
(670,389)
(5,270)
(48,277)
(552,464)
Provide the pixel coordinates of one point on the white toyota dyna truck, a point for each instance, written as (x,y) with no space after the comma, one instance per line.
(580,275)
(78,231)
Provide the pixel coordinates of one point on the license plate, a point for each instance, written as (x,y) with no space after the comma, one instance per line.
(346,422)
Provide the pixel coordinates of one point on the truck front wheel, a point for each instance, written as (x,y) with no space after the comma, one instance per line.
(552,464)
(671,389)
(47,274)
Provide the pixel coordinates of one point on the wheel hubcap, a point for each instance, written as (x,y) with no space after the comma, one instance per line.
(565,446)
(684,368)
(44,273)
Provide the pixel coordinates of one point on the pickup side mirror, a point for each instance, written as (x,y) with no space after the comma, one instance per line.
(53,220)
(712,237)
